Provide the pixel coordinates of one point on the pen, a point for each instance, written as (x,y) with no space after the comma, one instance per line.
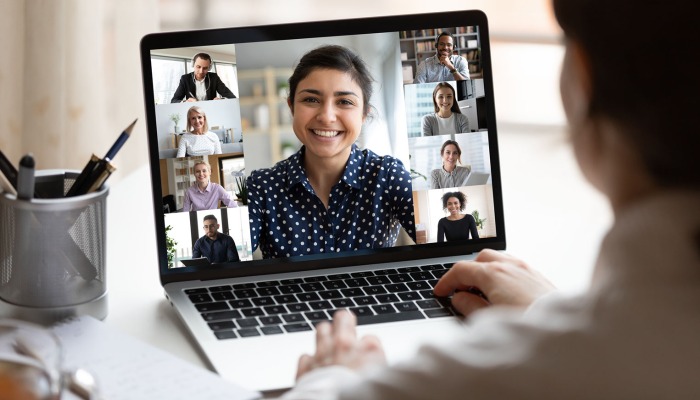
(8,175)
(25,178)
(119,142)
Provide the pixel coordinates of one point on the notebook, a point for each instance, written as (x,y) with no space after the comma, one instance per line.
(282,259)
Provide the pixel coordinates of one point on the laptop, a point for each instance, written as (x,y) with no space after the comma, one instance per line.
(254,317)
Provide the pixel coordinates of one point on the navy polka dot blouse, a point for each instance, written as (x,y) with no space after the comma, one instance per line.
(366,208)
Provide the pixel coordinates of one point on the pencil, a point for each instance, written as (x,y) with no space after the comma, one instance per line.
(119,142)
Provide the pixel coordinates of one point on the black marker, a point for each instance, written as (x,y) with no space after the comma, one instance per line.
(25,178)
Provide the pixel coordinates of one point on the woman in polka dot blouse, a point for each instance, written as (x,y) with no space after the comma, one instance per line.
(330,196)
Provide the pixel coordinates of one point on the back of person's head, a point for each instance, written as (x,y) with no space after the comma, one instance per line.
(645,77)
(338,58)
(444,85)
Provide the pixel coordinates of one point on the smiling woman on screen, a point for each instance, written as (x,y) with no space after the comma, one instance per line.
(330,196)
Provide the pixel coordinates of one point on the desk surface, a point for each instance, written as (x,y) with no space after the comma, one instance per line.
(547,206)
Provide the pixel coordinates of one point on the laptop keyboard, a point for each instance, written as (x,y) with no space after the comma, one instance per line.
(296,305)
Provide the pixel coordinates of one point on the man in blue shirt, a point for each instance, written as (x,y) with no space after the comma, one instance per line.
(215,246)
(443,66)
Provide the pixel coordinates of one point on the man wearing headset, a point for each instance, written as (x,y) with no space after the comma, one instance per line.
(201,84)
(443,66)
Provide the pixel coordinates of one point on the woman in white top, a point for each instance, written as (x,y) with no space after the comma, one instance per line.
(199,141)
(447,119)
(634,333)
(450,175)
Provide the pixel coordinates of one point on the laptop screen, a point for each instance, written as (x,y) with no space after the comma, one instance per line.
(241,165)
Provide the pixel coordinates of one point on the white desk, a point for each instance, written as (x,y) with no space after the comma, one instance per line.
(554,220)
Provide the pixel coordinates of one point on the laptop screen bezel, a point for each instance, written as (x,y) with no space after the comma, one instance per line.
(306,30)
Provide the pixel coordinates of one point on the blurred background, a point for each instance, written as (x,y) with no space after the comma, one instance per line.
(71,81)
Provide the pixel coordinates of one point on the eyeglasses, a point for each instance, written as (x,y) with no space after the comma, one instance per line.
(210,226)
(445,44)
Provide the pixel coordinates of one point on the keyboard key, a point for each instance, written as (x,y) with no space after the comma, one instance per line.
(383,309)
(252,312)
(268,291)
(293,318)
(274,320)
(398,278)
(385,271)
(396,287)
(320,305)
(297,307)
(446,265)
(247,322)
(319,278)
(221,296)
(338,276)
(244,286)
(362,274)
(271,330)
(330,294)
(274,310)
(240,303)
(308,297)
(408,269)
(427,294)
(224,288)
(329,285)
(197,291)
(343,303)
(374,290)
(378,280)
(288,289)
(221,315)
(387,298)
(356,282)
(268,284)
(431,267)
(263,301)
(317,316)
(248,332)
(366,300)
(362,311)
(432,282)
(439,273)
(391,317)
(420,285)
(221,325)
(438,312)
(302,326)
(286,298)
(406,306)
(312,287)
(406,296)
(352,292)
(422,276)
(245,293)
(424,304)
(208,307)
(225,335)
(293,281)
(200,298)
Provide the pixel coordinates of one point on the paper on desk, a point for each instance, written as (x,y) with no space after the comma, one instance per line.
(127,368)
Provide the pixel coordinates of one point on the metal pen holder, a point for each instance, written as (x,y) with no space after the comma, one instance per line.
(52,252)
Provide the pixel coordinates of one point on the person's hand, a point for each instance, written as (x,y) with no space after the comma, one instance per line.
(191,100)
(503,280)
(337,344)
(445,60)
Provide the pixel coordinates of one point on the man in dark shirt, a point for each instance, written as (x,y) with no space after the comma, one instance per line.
(201,84)
(215,246)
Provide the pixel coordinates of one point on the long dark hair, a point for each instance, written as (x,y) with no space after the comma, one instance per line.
(644,77)
(338,58)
